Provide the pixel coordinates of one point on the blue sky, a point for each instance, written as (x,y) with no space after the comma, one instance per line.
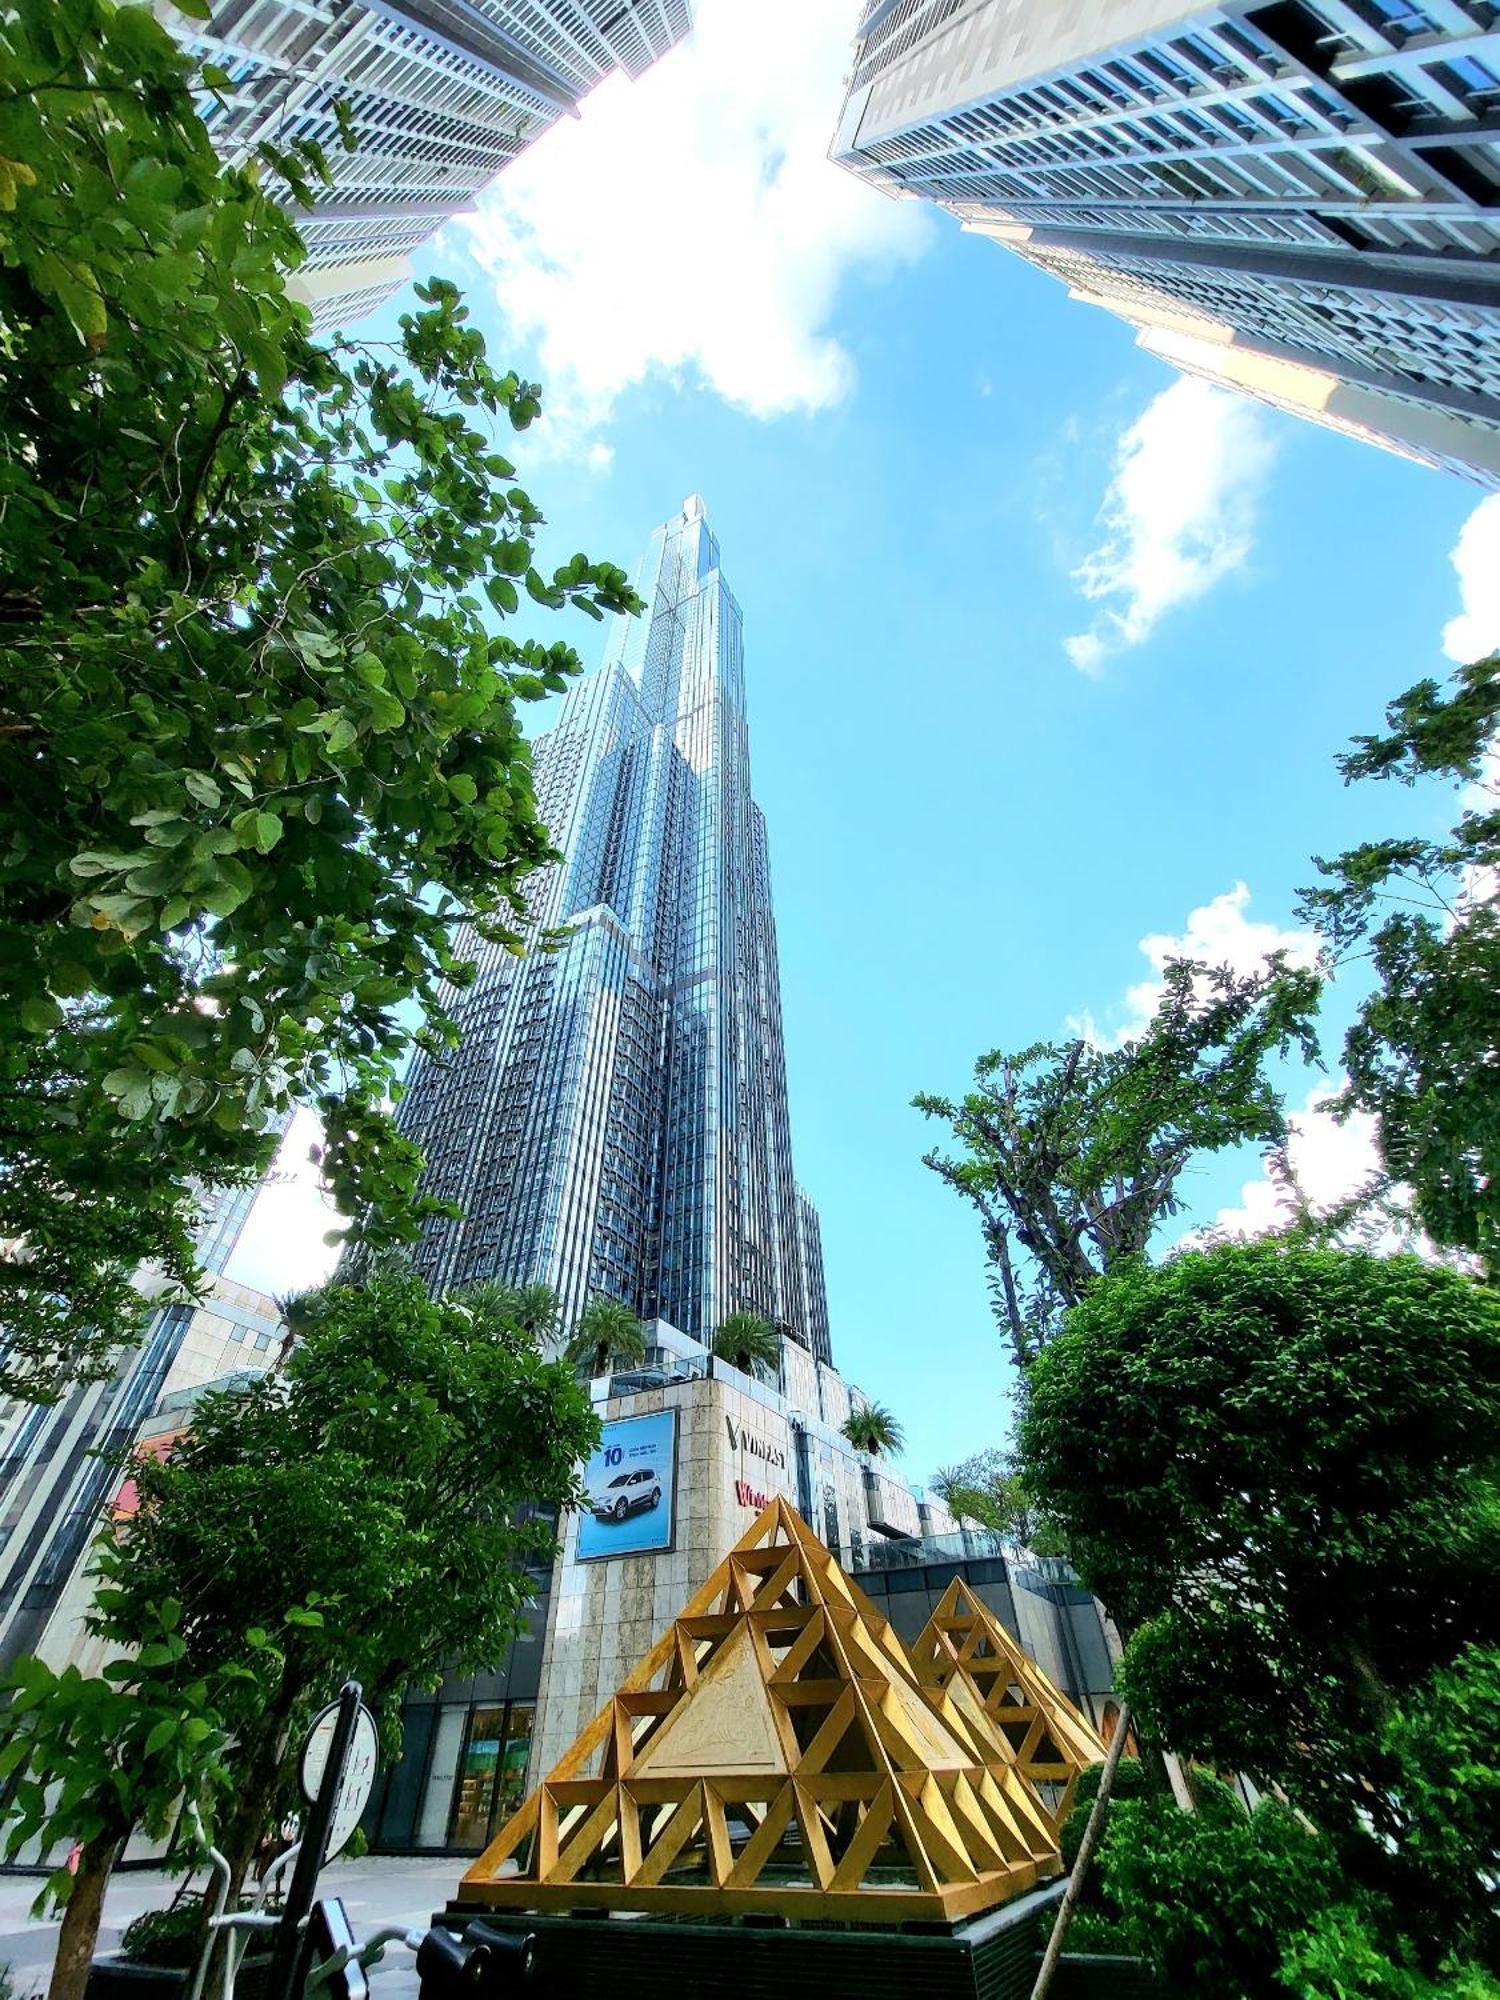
(922,457)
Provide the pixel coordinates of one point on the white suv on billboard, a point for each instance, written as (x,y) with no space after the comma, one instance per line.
(635,1491)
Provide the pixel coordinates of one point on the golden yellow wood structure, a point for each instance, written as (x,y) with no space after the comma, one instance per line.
(776,1751)
(964,1644)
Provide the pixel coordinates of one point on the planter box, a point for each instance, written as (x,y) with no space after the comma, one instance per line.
(1080,1977)
(591,1956)
(118,1978)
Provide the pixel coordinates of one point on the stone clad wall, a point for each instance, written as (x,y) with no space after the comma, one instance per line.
(737,1448)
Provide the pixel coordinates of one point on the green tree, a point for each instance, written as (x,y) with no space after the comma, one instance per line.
(749,1343)
(1072,1154)
(1277,1466)
(89,1758)
(370,1510)
(988,1490)
(260,747)
(608,1336)
(1421,1055)
(873,1429)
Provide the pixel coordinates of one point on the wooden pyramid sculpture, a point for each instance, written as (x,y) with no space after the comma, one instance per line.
(964,1644)
(775,1752)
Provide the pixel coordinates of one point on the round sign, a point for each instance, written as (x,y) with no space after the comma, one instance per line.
(360,1766)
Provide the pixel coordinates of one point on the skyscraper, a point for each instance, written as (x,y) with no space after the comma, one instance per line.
(59,1463)
(615,1120)
(443,94)
(1296,198)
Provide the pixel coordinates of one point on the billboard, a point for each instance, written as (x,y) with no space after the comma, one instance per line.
(631,1482)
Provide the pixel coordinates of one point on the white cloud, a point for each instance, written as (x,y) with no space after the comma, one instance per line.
(1323,1165)
(1217,933)
(281,1247)
(1475,632)
(1179,515)
(690,225)
(1328,1161)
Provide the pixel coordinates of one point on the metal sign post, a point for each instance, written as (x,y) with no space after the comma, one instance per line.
(284,1979)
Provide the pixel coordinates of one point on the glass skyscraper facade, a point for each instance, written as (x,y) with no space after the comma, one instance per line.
(615,1121)
(1297,198)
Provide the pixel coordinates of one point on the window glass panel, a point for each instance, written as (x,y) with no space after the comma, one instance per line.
(476,1784)
(433,1828)
(511,1788)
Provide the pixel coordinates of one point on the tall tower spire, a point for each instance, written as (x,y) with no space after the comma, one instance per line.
(616,1118)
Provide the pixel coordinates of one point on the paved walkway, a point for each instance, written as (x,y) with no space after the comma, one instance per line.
(379,1890)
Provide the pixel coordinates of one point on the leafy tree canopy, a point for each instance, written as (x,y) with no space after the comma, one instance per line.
(260,747)
(371,1509)
(988,1490)
(91,1758)
(1072,1153)
(1423,1054)
(1278,1465)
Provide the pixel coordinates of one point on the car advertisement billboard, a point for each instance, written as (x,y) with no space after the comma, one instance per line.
(632,1489)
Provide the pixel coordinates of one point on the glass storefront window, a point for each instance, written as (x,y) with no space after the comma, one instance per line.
(511,1787)
(476,1784)
(492,1773)
(437,1798)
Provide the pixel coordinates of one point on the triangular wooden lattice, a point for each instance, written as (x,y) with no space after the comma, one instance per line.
(964,1644)
(776,1751)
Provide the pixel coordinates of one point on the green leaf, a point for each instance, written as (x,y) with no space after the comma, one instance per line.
(199,785)
(215,77)
(267,831)
(40,1014)
(161,1736)
(268,362)
(386,712)
(463,788)
(342,735)
(101,864)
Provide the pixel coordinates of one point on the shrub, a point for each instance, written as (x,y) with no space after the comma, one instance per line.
(1211,1898)
(1340,1956)
(165,1937)
(1130,1783)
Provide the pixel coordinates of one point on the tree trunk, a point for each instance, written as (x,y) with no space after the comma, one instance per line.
(253,1796)
(1177,1778)
(1091,1837)
(79,1934)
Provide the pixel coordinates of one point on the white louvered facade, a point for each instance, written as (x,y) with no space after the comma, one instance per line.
(443,95)
(1310,183)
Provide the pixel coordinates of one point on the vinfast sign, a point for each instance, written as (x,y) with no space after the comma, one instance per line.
(631,1483)
(764,1457)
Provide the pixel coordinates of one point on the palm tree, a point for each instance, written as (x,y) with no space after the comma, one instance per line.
(874,1429)
(488,1299)
(748,1342)
(608,1336)
(532,1308)
(536,1310)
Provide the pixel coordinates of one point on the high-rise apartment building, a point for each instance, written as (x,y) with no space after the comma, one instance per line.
(443,94)
(60,1463)
(615,1120)
(1296,198)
